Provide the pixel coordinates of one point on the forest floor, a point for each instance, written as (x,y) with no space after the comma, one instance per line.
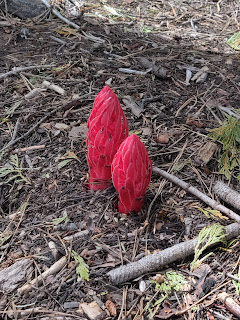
(44,201)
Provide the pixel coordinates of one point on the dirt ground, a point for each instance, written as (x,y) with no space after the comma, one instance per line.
(172,118)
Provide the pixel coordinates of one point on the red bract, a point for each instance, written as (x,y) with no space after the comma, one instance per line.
(107,128)
(131,174)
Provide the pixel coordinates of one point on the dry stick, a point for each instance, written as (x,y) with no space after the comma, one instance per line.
(57,266)
(30,148)
(229,303)
(16,70)
(212,203)
(158,260)
(227,194)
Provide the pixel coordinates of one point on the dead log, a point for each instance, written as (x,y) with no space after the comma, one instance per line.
(227,194)
(159,260)
(23,9)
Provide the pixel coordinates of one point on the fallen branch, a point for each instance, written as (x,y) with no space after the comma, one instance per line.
(16,70)
(158,260)
(229,303)
(57,266)
(212,203)
(227,194)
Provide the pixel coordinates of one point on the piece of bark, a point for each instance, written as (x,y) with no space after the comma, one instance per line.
(11,277)
(227,194)
(92,310)
(160,259)
(229,303)
(159,72)
(23,9)
(187,187)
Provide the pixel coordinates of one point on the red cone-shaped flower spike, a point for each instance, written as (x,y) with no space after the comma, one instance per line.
(131,174)
(107,128)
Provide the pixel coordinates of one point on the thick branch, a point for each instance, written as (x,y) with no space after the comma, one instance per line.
(230,303)
(212,203)
(158,260)
(227,194)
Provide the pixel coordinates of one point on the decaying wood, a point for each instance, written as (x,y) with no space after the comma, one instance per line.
(23,9)
(229,303)
(11,277)
(57,266)
(187,187)
(227,194)
(158,260)
(53,87)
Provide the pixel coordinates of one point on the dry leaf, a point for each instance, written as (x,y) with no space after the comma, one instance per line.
(78,132)
(111,308)
(147,131)
(131,104)
(206,153)
(61,126)
(196,123)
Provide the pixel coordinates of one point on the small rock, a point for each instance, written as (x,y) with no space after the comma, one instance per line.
(163,138)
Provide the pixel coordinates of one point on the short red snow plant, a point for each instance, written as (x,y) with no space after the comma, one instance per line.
(107,128)
(131,174)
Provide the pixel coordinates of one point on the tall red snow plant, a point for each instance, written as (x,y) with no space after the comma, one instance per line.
(107,129)
(131,174)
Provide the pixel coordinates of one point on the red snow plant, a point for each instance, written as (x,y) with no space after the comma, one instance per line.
(107,128)
(131,174)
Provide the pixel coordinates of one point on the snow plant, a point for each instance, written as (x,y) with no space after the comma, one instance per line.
(131,174)
(107,128)
(111,153)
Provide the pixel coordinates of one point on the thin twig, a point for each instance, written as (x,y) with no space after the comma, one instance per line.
(230,111)
(187,187)
(58,14)
(16,70)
